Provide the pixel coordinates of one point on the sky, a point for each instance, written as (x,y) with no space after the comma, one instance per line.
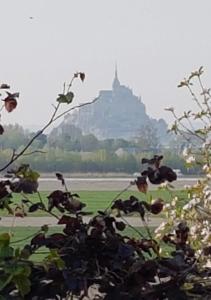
(155,44)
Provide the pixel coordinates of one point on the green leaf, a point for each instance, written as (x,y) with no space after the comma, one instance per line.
(4,239)
(68,98)
(14,269)
(5,203)
(25,253)
(32,175)
(4,281)
(200,131)
(6,252)
(54,257)
(17,252)
(17,268)
(45,228)
(23,284)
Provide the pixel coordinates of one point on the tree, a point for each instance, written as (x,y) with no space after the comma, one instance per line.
(89,143)
(66,136)
(40,142)
(66,97)
(14,137)
(147,139)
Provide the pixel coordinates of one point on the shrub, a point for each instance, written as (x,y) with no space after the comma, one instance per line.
(97,253)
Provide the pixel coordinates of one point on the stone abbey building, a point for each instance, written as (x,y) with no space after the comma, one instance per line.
(117,114)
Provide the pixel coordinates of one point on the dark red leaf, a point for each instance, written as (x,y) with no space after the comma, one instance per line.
(60,177)
(141,184)
(10,104)
(25,201)
(55,240)
(155,161)
(120,226)
(157,206)
(38,240)
(3,190)
(160,175)
(1,129)
(56,195)
(54,199)
(207,251)
(75,195)
(4,86)
(25,186)
(20,214)
(35,207)
(10,101)
(82,76)
(67,220)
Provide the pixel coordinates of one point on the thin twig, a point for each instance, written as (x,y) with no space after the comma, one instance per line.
(187,129)
(70,84)
(2,107)
(52,120)
(43,205)
(132,227)
(36,151)
(44,208)
(26,238)
(205,99)
(75,107)
(147,229)
(117,196)
(194,97)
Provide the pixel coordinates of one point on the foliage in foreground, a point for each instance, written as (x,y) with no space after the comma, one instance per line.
(97,253)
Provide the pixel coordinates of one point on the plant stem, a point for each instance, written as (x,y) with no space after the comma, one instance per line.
(52,119)
(117,196)
(26,238)
(132,227)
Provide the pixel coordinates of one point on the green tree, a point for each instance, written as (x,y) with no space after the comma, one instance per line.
(147,139)
(89,143)
(14,137)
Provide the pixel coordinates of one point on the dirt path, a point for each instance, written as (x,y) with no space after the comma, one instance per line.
(39,221)
(103,184)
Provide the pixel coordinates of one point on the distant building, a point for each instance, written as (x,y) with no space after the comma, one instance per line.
(117,114)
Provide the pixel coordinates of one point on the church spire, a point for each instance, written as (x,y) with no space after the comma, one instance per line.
(116,82)
(116,75)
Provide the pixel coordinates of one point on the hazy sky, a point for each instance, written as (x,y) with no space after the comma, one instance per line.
(155,43)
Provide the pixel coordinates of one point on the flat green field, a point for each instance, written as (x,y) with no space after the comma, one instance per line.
(21,236)
(99,200)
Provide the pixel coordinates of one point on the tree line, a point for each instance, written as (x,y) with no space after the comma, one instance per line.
(66,149)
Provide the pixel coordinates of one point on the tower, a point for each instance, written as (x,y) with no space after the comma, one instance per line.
(116,83)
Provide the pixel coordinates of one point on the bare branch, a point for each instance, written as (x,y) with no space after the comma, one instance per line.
(75,107)
(52,120)
(189,131)
(36,151)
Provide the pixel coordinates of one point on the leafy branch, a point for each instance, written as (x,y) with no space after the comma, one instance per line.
(65,97)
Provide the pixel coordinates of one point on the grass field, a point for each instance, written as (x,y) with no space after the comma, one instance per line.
(21,236)
(99,200)
(94,200)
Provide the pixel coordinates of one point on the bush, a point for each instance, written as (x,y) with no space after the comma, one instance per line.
(98,253)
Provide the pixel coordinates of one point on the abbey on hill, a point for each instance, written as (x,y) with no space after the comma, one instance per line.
(117,114)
